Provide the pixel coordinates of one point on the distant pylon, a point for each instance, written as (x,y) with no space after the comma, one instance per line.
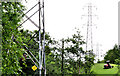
(89,37)
(98,51)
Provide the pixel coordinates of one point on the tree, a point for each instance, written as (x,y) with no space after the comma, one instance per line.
(117,61)
(74,48)
(89,62)
(11,52)
(112,54)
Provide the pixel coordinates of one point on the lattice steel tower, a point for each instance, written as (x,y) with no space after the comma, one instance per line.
(89,37)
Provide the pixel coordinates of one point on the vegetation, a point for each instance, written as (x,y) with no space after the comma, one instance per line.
(98,70)
(113,54)
(15,40)
(11,52)
(68,58)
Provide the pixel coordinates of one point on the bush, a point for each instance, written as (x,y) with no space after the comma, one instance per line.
(117,61)
(103,61)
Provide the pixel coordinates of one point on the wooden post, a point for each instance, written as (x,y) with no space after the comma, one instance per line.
(62,70)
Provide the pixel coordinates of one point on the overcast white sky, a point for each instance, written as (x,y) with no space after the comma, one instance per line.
(62,16)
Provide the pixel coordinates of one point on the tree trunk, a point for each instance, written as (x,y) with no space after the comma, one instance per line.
(79,63)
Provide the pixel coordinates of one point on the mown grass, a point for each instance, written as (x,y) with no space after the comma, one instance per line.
(99,70)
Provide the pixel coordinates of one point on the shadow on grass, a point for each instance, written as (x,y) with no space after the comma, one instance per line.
(118,73)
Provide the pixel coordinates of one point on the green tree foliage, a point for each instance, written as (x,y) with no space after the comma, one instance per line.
(74,52)
(112,54)
(32,44)
(11,52)
(89,62)
(117,61)
(0,49)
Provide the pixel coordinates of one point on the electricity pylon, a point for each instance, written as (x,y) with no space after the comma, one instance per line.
(39,63)
(89,23)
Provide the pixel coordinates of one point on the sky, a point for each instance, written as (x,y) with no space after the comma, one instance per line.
(62,16)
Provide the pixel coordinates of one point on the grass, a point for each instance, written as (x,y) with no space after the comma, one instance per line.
(98,69)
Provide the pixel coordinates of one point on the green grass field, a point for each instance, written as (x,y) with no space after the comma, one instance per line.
(98,68)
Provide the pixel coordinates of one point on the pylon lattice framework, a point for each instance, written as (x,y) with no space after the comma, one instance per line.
(41,60)
(89,37)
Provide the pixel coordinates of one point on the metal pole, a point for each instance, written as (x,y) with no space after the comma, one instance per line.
(39,42)
(44,40)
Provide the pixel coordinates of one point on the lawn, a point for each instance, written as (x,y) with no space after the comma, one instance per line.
(98,69)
